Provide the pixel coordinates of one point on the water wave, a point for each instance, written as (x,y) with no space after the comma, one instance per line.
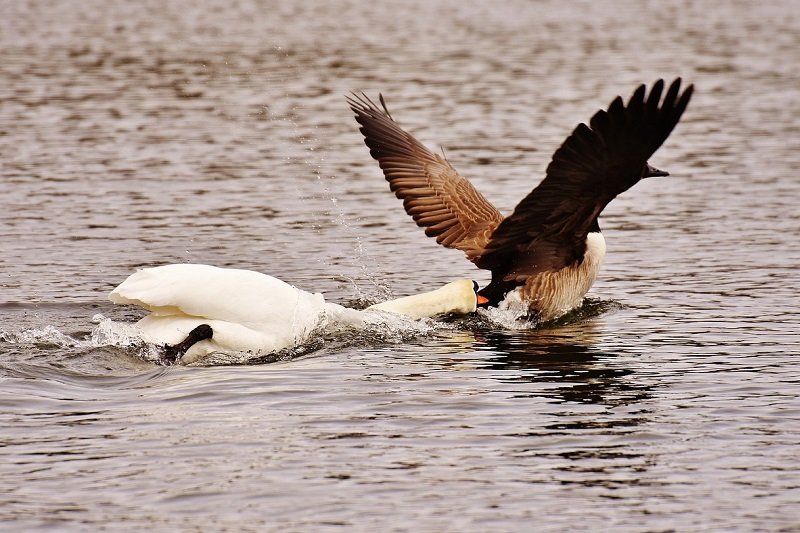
(377,328)
(47,335)
(512,313)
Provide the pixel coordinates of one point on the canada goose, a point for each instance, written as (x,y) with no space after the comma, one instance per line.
(199,309)
(548,251)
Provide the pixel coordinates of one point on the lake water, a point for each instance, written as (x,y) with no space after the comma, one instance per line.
(140,133)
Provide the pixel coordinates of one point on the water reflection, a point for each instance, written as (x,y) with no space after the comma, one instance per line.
(598,404)
(568,357)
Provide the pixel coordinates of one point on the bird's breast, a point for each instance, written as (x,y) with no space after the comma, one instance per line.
(552,294)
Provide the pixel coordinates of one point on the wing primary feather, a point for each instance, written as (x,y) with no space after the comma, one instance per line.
(547,230)
(436,196)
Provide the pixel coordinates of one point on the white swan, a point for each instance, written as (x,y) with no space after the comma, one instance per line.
(251,311)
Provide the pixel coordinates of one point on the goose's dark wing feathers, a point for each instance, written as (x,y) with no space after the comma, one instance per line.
(547,230)
(433,193)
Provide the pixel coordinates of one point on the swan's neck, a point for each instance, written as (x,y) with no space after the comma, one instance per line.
(456,297)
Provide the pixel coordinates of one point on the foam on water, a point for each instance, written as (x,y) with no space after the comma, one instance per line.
(512,313)
(48,335)
(375,328)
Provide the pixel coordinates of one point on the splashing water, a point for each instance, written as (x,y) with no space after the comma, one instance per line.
(512,313)
(374,328)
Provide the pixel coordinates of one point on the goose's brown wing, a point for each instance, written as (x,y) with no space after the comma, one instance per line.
(547,230)
(433,193)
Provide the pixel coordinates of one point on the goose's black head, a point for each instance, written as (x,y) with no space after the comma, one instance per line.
(620,180)
(625,182)
(652,172)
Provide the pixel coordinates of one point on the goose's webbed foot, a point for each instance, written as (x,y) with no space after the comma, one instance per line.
(176,351)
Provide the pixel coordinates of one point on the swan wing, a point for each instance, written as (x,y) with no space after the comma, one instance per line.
(232,295)
(439,200)
(547,230)
(228,336)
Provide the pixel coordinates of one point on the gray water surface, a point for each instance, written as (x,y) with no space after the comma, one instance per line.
(136,133)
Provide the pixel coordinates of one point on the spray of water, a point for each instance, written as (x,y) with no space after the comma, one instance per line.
(314,160)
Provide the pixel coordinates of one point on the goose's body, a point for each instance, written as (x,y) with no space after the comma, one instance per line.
(251,311)
(549,250)
(554,292)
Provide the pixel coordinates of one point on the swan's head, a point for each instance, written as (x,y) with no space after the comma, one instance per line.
(460,297)
(482,301)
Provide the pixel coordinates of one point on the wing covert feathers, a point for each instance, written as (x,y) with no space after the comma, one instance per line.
(439,200)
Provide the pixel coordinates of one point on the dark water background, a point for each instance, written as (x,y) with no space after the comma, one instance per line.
(142,133)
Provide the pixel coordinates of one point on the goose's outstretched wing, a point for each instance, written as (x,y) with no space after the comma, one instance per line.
(547,230)
(433,193)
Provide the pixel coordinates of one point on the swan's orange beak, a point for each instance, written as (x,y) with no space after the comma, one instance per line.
(482,300)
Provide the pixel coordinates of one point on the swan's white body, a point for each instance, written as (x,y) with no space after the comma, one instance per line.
(250,311)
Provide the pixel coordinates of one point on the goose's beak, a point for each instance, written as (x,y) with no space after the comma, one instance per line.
(653,172)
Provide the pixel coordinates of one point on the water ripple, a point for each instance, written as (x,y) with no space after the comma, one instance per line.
(136,134)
